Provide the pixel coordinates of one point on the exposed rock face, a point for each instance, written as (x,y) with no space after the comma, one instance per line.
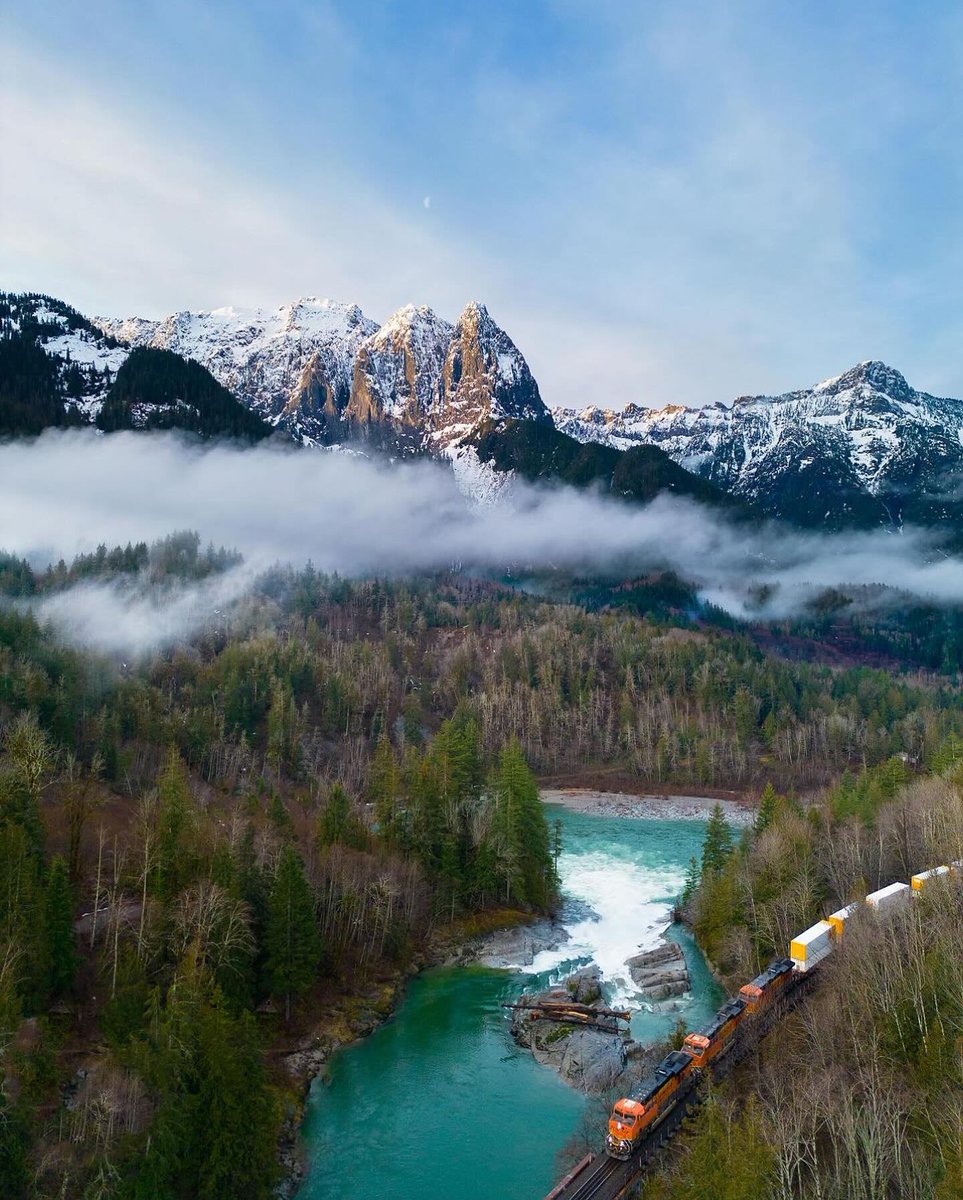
(662,972)
(321,370)
(398,373)
(486,378)
(588,1059)
(291,365)
(517,947)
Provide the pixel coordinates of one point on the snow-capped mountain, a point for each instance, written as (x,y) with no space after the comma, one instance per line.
(399,371)
(860,448)
(58,369)
(292,365)
(322,370)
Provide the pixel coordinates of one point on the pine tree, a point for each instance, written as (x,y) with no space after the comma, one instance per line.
(521,831)
(717,846)
(14,1149)
(768,807)
(338,823)
(291,937)
(693,876)
(384,786)
(174,820)
(235,1109)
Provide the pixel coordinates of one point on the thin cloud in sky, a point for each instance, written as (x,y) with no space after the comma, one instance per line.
(101,211)
(661,203)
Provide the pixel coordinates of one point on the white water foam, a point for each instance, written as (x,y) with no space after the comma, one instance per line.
(634,905)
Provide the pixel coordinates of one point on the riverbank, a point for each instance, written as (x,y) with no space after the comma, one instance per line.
(663,807)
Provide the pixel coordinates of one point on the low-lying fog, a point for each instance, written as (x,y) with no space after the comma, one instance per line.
(67,492)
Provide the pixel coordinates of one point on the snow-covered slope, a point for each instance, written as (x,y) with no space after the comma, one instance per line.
(322,370)
(86,359)
(292,365)
(861,447)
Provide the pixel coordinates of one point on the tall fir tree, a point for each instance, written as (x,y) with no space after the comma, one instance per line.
(59,927)
(175,819)
(717,846)
(291,937)
(768,808)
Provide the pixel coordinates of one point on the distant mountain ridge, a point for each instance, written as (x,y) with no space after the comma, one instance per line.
(541,453)
(861,449)
(58,369)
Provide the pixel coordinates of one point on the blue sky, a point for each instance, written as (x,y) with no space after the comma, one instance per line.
(661,202)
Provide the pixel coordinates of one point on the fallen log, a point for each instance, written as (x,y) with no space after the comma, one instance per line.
(574,1019)
(565,1006)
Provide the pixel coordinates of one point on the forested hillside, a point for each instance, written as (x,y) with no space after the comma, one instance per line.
(859,1093)
(58,369)
(199,848)
(156,389)
(538,451)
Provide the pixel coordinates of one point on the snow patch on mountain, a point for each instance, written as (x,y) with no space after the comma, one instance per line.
(481,483)
(87,360)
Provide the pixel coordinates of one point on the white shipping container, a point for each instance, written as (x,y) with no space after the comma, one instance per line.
(839,918)
(811,946)
(894,895)
(922,879)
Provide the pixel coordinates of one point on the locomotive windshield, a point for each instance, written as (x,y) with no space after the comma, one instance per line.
(625,1118)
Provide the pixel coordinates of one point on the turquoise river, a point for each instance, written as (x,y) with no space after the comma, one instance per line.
(439,1102)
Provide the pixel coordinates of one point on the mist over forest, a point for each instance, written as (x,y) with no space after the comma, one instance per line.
(67,492)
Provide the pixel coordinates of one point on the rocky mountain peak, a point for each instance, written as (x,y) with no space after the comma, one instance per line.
(486,378)
(397,375)
(866,378)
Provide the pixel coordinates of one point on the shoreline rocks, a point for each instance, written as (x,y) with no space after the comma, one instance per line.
(647,807)
(517,947)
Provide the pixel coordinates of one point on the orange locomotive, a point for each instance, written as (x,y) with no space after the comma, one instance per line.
(768,986)
(717,1036)
(634,1115)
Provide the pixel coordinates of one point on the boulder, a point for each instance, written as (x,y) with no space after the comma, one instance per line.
(660,973)
(517,947)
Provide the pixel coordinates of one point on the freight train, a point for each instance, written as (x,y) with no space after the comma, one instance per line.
(646,1107)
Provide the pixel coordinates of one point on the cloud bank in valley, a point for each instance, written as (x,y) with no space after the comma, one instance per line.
(67,492)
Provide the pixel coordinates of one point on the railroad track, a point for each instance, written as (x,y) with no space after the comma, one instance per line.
(596,1185)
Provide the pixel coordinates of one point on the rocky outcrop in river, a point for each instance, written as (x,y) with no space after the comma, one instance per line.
(660,973)
(586,1057)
